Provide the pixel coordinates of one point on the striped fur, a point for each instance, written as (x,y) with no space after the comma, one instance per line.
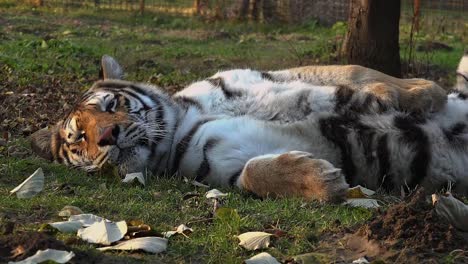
(211,130)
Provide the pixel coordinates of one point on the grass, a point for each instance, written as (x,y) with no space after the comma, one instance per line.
(42,49)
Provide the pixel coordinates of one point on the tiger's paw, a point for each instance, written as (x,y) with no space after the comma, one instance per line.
(294,174)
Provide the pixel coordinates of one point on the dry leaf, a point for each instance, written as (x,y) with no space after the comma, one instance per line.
(86,219)
(136,175)
(199,184)
(181,229)
(70,210)
(359,192)
(149,244)
(58,256)
(103,232)
(31,186)
(214,193)
(67,226)
(254,240)
(452,209)
(361,260)
(262,258)
(366,203)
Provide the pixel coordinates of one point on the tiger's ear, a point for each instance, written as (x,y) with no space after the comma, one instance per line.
(41,142)
(110,69)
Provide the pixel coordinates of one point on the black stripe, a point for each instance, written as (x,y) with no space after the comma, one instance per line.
(204,169)
(462,75)
(160,115)
(219,82)
(267,76)
(452,136)
(137,97)
(182,145)
(414,135)
(66,156)
(187,102)
(58,141)
(343,95)
(233,178)
(462,96)
(303,103)
(365,135)
(383,154)
(336,130)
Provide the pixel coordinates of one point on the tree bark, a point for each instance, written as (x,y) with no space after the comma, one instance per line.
(142,6)
(373,34)
(243,9)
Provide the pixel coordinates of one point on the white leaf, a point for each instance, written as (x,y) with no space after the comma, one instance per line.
(364,202)
(87,219)
(58,256)
(67,226)
(254,240)
(136,175)
(262,258)
(149,244)
(180,230)
(359,192)
(214,193)
(361,260)
(104,232)
(70,210)
(199,184)
(31,186)
(453,210)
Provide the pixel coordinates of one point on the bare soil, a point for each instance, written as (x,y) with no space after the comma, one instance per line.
(409,232)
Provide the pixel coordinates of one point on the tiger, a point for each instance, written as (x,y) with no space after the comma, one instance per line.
(309,132)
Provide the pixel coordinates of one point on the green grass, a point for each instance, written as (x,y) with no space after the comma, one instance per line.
(45,49)
(161,204)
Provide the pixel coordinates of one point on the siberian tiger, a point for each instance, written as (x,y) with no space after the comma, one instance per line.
(308,132)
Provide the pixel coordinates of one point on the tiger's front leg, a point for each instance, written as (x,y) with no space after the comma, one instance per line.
(293,174)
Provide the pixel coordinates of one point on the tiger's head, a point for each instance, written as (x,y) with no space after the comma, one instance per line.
(110,124)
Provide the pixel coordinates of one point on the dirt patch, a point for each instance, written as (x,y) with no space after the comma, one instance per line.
(408,232)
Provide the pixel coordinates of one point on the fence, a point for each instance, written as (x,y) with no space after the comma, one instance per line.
(293,11)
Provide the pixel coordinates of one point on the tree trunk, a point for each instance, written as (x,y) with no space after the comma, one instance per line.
(269,10)
(243,9)
(142,6)
(373,33)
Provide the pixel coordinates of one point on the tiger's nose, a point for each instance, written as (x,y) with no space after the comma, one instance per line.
(109,136)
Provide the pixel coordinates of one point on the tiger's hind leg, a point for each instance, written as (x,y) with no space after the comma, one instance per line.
(293,174)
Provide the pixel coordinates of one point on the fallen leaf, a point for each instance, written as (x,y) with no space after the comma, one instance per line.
(103,232)
(199,184)
(58,256)
(149,244)
(136,175)
(364,202)
(214,193)
(67,226)
(181,229)
(361,260)
(86,219)
(254,240)
(70,210)
(262,258)
(359,192)
(453,210)
(19,250)
(31,186)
